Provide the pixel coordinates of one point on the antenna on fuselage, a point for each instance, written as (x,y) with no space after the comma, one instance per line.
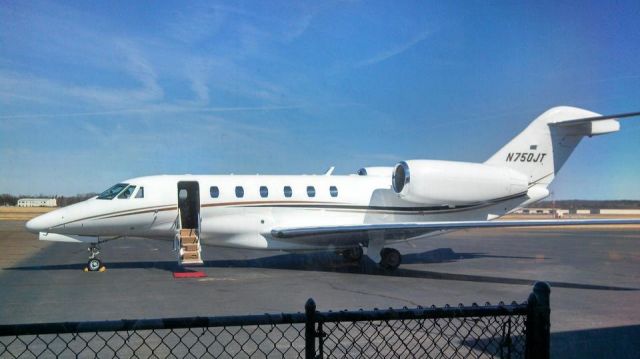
(329,171)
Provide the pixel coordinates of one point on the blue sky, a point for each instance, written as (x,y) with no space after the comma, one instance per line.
(92,93)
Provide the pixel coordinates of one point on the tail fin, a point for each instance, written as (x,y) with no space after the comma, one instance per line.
(544,146)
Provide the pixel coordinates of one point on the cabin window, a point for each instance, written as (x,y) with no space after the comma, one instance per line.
(311,191)
(287,191)
(239,191)
(140,193)
(333,190)
(112,192)
(127,192)
(264,191)
(214,191)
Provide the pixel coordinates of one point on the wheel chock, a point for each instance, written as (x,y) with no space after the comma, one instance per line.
(85,269)
(102,269)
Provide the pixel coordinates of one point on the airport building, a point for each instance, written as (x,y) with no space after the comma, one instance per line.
(37,202)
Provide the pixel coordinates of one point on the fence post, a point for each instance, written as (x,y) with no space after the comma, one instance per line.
(309,329)
(539,322)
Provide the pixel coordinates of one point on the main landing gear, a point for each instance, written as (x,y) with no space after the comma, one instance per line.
(94,264)
(352,254)
(390,258)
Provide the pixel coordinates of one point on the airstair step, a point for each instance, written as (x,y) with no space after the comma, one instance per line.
(188,247)
(191,261)
(187,232)
(190,255)
(189,240)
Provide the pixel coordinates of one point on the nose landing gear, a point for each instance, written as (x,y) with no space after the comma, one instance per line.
(94,264)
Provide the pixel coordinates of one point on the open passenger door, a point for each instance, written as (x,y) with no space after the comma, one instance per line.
(188,225)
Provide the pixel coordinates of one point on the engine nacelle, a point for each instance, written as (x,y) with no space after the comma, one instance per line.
(376,171)
(455,183)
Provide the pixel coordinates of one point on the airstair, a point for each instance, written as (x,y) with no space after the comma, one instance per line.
(188,244)
(190,247)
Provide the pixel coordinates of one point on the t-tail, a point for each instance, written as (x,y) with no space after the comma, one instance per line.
(545,145)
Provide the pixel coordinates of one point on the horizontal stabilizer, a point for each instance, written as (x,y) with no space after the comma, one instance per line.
(578,121)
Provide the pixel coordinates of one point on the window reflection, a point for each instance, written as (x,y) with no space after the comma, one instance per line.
(127,192)
(113,191)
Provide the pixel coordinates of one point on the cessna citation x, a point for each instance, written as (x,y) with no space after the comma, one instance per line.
(371,209)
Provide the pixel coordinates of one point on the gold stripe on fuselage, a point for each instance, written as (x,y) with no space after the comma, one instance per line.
(308,205)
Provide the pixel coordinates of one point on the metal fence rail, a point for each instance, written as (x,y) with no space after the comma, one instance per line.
(505,331)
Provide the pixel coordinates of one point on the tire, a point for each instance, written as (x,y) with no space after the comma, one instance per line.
(94,265)
(354,254)
(390,258)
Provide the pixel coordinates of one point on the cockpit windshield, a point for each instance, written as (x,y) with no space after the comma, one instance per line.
(112,192)
(127,192)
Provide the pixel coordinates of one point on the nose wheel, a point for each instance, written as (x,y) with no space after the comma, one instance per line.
(94,264)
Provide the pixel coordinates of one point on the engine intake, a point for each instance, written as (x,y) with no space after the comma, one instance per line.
(401,176)
(455,183)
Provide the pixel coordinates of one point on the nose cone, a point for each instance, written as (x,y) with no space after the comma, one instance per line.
(42,223)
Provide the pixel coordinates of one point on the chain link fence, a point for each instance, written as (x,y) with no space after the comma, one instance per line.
(503,331)
(488,336)
(265,341)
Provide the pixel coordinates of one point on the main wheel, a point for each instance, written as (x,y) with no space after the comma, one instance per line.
(353,254)
(390,258)
(94,264)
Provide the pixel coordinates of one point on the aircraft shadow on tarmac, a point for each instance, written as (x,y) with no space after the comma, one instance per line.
(614,342)
(329,262)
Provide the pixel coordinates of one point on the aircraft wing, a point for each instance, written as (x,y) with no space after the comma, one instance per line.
(343,236)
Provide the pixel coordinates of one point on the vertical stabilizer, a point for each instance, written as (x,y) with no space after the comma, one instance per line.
(544,146)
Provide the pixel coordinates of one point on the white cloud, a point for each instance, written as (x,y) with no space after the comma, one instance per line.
(138,68)
(33,89)
(196,23)
(395,50)
(198,77)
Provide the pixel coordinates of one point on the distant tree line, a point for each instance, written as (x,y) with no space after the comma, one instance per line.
(8,200)
(62,201)
(65,201)
(588,204)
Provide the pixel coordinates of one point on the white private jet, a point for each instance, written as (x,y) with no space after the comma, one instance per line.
(370,209)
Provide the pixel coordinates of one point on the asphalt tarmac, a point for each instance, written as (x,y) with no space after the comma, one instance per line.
(594,275)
